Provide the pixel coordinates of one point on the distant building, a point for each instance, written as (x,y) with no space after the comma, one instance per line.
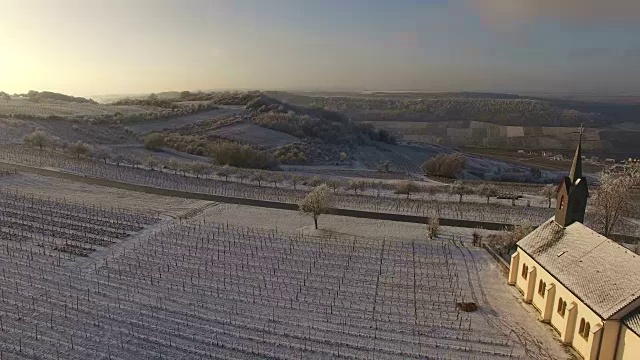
(521,152)
(558,157)
(586,286)
(609,161)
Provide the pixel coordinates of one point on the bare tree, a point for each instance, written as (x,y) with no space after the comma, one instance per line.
(407,187)
(505,241)
(275,178)
(79,149)
(334,184)
(487,190)
(319,201)
(225,172)
(199,168)
(258,177)
(611,200)
(118,159)
(102,154)
(459,188)
(152,162)
(356,185)
(38,138)
(173,164)
(548,191)
(295,180)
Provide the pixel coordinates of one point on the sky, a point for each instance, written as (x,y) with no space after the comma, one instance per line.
(92,47)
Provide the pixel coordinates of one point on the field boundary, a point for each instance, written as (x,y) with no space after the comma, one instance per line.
(473,224)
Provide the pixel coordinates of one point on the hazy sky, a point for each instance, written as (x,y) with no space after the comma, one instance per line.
(89,47)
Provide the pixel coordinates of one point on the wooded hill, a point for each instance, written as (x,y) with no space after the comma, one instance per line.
(501,109)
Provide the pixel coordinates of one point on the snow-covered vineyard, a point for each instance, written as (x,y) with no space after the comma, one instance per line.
(213,291)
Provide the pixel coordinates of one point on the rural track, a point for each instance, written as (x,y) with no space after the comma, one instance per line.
(532,348)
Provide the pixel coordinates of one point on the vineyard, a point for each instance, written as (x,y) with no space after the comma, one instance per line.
(213,291)
(423,204)
(63,226)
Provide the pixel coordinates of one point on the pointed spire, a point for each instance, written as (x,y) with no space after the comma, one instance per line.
(576,167)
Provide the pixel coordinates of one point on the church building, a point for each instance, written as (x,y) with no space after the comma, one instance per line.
(584,285)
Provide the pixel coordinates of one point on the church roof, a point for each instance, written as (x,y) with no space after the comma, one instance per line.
(602,274)
(632,321)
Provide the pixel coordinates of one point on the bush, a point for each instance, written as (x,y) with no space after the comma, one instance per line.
(445,165)
(433,228)
(154,141)
(243,156)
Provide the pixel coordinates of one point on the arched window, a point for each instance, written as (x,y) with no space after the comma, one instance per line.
(587,330)
(541,288)
(560,306)
(544,288)
(581,328)
(564,308)
(525,271)
(561,202)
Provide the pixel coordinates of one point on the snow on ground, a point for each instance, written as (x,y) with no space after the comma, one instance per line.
(150,126)
(98,195)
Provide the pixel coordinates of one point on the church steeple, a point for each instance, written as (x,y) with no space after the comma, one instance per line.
(572,192)
(576,167)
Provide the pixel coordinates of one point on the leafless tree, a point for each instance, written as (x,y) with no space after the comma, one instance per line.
(407,187)
(548,191)
(459,188)
(199,168)
(611,200)
(295,180)
(319,201)
(487,190)
(38,138)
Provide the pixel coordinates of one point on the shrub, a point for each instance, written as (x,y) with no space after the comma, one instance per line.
(445,165)
(433,228)
(154,141)
(244,156)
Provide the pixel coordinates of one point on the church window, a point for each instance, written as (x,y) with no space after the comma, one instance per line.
(587,330)
(560,306)
(542,287)
(581,328)
(561,202)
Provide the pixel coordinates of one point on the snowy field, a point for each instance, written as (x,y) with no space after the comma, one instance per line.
(227,285)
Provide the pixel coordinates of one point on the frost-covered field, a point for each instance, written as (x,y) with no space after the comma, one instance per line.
(210,290)
(64,108)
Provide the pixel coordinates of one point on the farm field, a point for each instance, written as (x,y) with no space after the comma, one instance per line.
(254,135)
(178,122)
(63,108)
(529,160)
(245,292)
(532,209)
